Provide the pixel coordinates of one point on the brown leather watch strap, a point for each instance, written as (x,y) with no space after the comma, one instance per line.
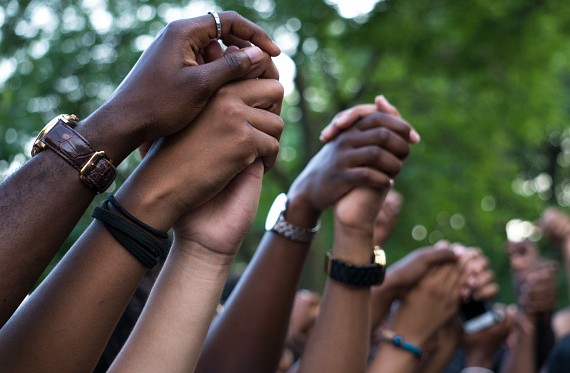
(95,169)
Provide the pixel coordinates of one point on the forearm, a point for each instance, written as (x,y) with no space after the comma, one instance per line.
(75,309)
(545,339)
(44,188)
(45,195)
(392,359)
(265,293)
(480,359)
(340,340)
(520,358)
(565,250)
(177,316)
(382,298)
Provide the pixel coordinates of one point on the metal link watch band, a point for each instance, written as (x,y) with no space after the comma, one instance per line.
(294,233)
(95,168)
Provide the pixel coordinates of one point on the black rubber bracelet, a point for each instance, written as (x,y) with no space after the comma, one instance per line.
(134,220)
(145,248)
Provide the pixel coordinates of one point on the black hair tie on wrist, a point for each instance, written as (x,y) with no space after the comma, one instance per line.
(144,247)
(129,216)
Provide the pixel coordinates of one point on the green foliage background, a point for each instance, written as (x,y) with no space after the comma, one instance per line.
(486,84)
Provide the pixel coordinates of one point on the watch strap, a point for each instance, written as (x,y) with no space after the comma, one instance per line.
(95,168)
(356,274)
(293,233)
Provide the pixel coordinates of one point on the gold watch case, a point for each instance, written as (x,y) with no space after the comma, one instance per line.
(38,143)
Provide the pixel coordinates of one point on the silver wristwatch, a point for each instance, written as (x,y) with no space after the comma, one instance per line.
(276,222)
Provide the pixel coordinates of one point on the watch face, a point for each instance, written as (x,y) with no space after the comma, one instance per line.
(48,127)
(68,119)
(276,208)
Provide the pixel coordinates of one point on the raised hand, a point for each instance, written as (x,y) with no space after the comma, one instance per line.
(221,224)
(521,255)
(182,303)
(555,225)
(538,288)
(369,153)
(169,86)
(348,117)
(426,307)
(479,278)
(238,126)
(481,348)
(423,310)
(405,273)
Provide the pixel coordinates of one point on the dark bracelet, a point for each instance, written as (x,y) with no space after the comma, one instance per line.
(134,220)
(144,247)
(398,341)
(359,275)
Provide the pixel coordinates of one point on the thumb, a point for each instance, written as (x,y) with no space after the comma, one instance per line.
(230,67)
(246,191)
(383,105)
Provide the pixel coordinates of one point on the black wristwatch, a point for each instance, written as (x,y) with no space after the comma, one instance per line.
(276,222)
(357,274)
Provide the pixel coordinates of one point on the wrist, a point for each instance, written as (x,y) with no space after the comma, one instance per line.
(109,130)
(388,291)
(401,343)
(392,287)
(196,263)
(403,324)
(209,259)
(476,358)
(300,211)
(148,206)
(351,247)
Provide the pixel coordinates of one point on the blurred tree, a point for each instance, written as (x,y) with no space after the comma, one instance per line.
(485,83)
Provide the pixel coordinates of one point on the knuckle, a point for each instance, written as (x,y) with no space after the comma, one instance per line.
(172,28)
(225,91)
(278,87)
(274,146)
(232,15)
(233,110)
(364,174)
(279,125)
(376,153)
(243,136)
(383,136)
(404,152)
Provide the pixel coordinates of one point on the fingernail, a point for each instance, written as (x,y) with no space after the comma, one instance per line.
(254,53)
(380,98)
(414,136)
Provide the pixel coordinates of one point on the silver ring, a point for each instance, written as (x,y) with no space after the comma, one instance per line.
(218,24)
